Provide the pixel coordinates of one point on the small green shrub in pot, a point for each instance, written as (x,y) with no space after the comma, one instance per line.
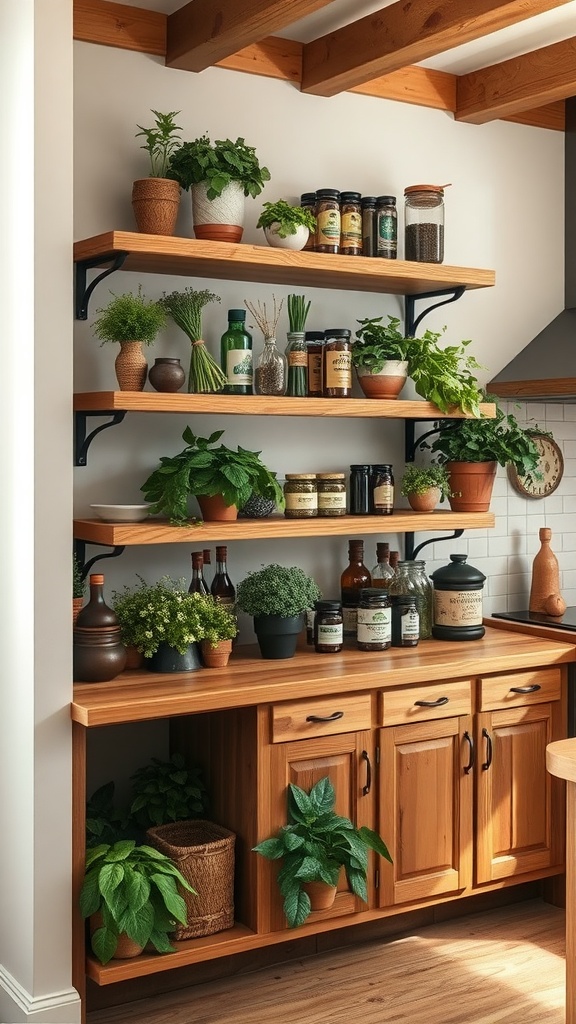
(277,590)
(419,479)
(287,217)
(158,613)
(500,439)
(129,317)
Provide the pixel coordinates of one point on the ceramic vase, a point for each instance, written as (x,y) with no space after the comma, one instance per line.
(425,502)
(295,241)
(214,509)
(131,366)
(167,375)
(388,383)
(471,484)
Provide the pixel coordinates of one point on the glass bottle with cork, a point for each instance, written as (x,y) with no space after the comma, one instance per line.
(355,578)
(198,583)
(206,560)
(236,354)
(382,572)
(222,588)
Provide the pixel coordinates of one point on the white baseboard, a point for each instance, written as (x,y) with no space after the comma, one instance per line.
(17,1006)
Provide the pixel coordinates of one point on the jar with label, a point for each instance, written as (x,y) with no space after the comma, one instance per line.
(424,223)
(350,224)
(410,580)
(369,226)
(337,367)
(301,496)
(308,202)
(387,227)
(297,359)
(382,484)
(328,227)
(360,492)
(458,601)
(328,627)
(374,627)
(331,494)
(405,621)
(314,349)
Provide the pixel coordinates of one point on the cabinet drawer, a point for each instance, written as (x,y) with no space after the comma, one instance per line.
(539,685)
(320,716)
(441,700)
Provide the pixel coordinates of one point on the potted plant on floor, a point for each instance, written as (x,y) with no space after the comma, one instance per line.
(286,226)
(220,174)
(314,846)
(133,321)
(443,376)
(185,309)
(155,199)
(162,621)
(471,449)
(130,893)
(277,597)
(222,479)
(425,486)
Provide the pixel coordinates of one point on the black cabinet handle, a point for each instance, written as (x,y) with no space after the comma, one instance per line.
(431,703)
(366,789)
(327,718)
(526,689)
(488,760)
(468,768)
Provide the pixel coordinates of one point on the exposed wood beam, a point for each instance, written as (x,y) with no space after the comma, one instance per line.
(204,32)
(274,57)
(130,28)
(504,89)
(403,34)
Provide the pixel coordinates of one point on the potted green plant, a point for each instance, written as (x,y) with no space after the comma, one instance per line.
(277,597)
(286,226)
(441,375)
(220,627)
(131,894)
(185,309)
(155,199)
(164,791)
(132,320)
(314,846)
(228,477)
(471,449)
(425,486)
(220,174)
(162,621)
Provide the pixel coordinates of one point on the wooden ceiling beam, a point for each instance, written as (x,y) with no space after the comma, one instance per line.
(404,34)
(501,90)
(204,32)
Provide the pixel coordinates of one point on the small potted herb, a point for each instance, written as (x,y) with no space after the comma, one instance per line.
(277,597)
(133,321)
(185,309)
(162,621)
(314,846)
(155,199)
(425,486)
(220,627)
(286,226)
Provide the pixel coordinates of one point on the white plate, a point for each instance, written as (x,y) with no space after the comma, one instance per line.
(121,513)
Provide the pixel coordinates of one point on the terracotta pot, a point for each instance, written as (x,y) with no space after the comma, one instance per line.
(424,502)
(131,366)
(77,603)
(218,656)
(220,219)
(126,948)
(471,484)
(214,509)
(155,202)
(321,895)
(388,383)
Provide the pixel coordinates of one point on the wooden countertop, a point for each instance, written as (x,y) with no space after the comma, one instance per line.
(249,679)
(565,636)
(561,759)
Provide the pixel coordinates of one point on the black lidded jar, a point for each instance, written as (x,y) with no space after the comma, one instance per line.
(360,490)
(328,627)
(458,601)
(328,220)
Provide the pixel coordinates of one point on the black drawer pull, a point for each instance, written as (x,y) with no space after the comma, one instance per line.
(488,760)
(468,768)
(431,703)
(366,789)
(526,689)
(328,718)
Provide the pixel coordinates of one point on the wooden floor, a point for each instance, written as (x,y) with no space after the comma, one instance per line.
(501,967)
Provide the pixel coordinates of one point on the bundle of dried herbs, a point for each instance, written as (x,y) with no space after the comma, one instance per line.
(185,308)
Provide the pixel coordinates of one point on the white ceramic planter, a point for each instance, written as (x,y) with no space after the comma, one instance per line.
(220,219)
(388,383)
(296,241)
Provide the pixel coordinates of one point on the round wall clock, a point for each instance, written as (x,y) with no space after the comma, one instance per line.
(551,466)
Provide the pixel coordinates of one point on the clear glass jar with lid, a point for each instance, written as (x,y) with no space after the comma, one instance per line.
(424,223)
(331,494)
(271,372)
(411,579)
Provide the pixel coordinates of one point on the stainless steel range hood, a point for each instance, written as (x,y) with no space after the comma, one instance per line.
(546,368)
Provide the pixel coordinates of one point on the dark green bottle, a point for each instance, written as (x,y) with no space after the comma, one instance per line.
(236,354)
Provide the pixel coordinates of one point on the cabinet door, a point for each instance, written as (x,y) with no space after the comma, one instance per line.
(520,812)
(347,760)
(426,809)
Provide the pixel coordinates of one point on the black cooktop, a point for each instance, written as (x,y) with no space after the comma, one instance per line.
(566,621)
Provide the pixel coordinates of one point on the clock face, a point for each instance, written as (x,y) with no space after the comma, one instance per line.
(551,466)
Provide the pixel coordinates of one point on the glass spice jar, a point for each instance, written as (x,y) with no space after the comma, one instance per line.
(350,224)
(382,486)
(360,494)
(374,629)
(405,621)
(337,364)
(301,496)
(387,227)
(331,494)
(328,220)
(369,224)
(308,202)
(328,627)
(271,372)
(424,223)
(410,580)
(315,348)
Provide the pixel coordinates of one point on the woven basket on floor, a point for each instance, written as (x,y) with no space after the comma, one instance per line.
(204,854)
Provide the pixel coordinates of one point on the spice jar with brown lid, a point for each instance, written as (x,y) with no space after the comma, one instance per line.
(337,377)
(350,224)
(328,627)
(424,223)
(331,494)
(328,220)
(301,496)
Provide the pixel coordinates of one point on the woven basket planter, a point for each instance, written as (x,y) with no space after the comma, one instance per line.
(204,853)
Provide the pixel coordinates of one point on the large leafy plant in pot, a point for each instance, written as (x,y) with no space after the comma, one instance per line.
(277,597)
(314,846)
(156,199)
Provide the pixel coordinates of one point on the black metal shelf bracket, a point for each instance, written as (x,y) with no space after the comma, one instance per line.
(412,321)
(411,442)
(84,290)
(411,552)
(82,441)
(85,566)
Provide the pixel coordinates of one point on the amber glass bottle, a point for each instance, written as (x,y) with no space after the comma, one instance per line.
(354,579)
(222,587)
(207,560)
(198,583)
(382,572)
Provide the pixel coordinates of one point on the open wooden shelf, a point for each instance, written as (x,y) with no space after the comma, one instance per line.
(167,254)
(262,405)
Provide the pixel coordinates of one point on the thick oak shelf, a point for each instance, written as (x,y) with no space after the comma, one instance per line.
(262,405)
(159,531)
(167,254)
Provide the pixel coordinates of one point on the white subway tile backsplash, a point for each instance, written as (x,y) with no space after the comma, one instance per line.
(569,580)
(477,547)
(569,411)
(517,505)
(569,449)
(568,542)
(567,560)
(497,586)
(565,430)
(519,583)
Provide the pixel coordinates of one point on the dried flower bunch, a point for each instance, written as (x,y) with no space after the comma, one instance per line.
(266,323)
